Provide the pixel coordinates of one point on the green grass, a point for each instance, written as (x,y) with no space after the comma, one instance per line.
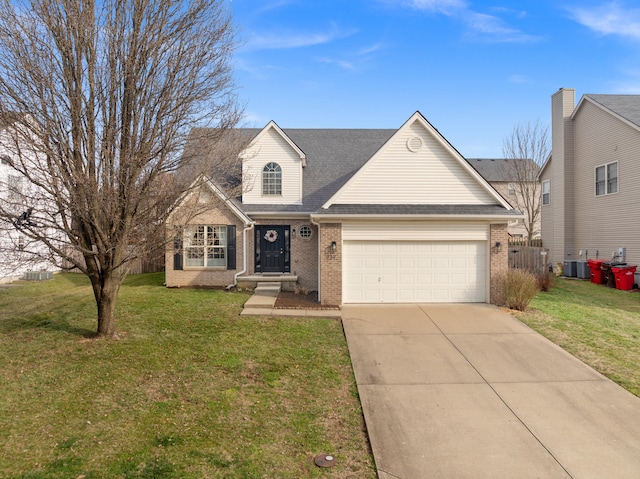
(192,390)
(597,324)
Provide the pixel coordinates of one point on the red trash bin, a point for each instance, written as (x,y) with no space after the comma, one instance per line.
(596,270)
(624,276)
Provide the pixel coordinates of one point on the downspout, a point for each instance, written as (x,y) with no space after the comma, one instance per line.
(248,228)
(319,260)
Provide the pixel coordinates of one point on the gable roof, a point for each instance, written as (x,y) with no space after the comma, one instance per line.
(422,177)
(273,126)
(333,156)
(625,107)
(498,169)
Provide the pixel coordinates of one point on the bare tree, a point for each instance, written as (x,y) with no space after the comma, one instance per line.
(106,93)
(526,149)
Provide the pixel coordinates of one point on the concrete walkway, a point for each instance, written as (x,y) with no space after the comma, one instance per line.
(467,391)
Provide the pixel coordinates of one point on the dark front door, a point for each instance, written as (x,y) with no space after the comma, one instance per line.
(273,249)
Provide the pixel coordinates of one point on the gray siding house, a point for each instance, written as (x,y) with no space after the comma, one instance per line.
(591,182)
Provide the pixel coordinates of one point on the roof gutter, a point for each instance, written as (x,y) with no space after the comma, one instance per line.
(449,217)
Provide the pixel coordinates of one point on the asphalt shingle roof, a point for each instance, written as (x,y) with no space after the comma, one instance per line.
(485,210)
(627,106)
(333,156)
(497,169)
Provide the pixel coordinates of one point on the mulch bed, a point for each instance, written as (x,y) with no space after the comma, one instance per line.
(287,300)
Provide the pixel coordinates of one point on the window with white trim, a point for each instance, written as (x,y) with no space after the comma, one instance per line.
(272,179)
(546,192)
(607,179)
(205,246)
(511,188)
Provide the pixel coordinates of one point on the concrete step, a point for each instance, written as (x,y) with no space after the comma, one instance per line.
(258,301)
(268,289)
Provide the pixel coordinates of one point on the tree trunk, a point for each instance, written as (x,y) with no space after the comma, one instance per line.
(106,290)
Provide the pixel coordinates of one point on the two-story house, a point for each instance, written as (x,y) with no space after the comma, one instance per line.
(18,253)
(591,182)
(509,178)
(361,216)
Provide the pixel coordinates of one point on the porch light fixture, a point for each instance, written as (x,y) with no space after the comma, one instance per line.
(334,246)
(293,233)
(498,247)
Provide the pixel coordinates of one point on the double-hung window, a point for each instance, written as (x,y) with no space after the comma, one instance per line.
(607,179)
(205,246)
(546,192)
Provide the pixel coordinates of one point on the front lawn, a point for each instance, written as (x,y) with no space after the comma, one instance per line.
(597,324)
(192,390)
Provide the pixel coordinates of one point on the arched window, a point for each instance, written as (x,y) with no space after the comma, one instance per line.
(272,179)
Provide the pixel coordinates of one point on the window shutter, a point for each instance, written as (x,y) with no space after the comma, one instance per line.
(177,248)
(231,247)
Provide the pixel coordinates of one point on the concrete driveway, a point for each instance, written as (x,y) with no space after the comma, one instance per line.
(467,391)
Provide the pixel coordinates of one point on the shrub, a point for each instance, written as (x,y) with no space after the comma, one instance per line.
(545,281)
(522,287)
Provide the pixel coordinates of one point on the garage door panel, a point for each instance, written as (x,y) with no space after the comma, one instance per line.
(414,271)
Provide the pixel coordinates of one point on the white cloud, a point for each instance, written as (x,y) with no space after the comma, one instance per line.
(289,39)
(345,65)
(495,29)
(447,7)
(610,19)
(481,25)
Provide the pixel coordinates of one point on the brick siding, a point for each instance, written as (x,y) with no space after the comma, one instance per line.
(499,264)
(331,264)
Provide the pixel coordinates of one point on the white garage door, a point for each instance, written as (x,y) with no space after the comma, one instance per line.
(414,271)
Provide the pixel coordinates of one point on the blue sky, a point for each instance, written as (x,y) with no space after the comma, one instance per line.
(474,69)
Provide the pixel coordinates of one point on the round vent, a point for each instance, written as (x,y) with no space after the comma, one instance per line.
(414,143)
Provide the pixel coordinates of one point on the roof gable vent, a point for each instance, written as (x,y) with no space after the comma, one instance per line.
(414,144)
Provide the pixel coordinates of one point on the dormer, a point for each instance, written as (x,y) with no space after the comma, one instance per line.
(272,168)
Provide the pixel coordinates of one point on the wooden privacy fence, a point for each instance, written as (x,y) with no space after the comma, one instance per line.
(525,242)
(530,258)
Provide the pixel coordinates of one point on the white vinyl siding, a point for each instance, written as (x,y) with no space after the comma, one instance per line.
(414,271)
(415,230)
(429,175)
(272,147)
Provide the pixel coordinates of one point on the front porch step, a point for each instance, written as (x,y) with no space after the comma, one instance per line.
(286,281)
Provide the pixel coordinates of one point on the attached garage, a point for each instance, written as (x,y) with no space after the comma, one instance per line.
(415,262)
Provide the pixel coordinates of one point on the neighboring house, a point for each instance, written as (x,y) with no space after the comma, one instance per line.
(501,174)
(361,216)
(591,183)
(16,251)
